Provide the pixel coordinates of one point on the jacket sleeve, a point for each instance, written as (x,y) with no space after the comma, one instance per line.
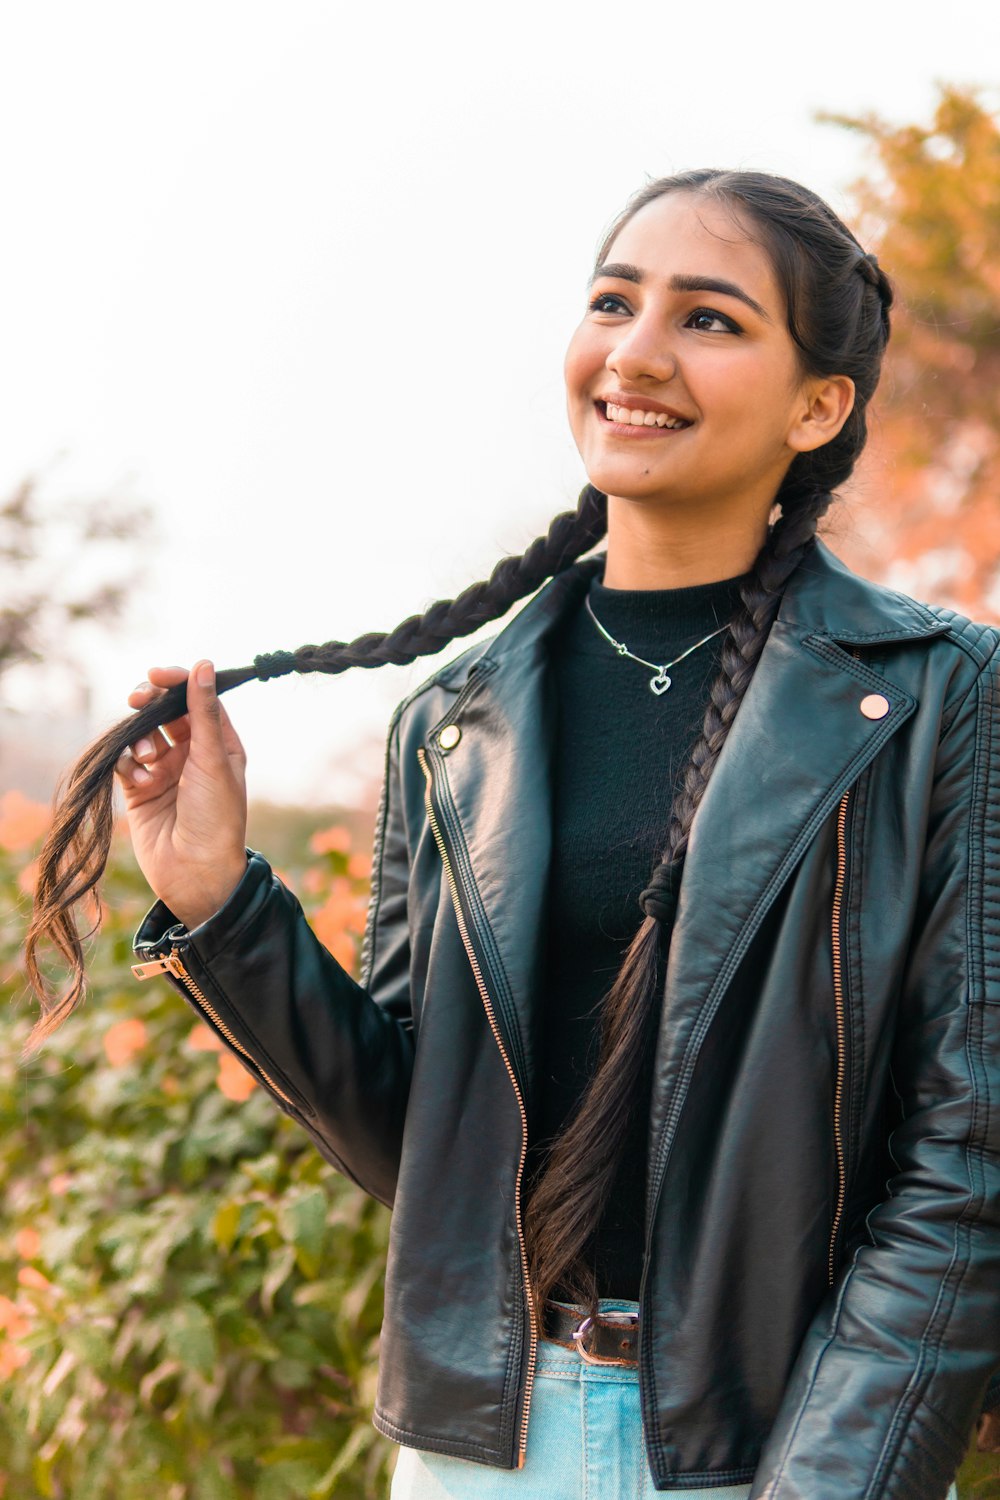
(336,1055)
(894,1368)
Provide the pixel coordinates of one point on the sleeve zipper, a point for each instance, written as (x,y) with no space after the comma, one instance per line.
(174,965)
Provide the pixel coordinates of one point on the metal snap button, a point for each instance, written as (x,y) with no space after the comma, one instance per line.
(449,736)
(875,706)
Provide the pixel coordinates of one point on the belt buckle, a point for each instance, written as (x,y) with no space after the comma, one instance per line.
(623,1320)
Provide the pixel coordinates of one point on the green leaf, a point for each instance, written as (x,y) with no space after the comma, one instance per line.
(225,1224)
(303,1221)
(190,1337)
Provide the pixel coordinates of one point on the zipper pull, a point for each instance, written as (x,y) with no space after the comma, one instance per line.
(170,965)
(148,970)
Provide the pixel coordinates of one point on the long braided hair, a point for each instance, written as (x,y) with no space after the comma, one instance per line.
(837,307)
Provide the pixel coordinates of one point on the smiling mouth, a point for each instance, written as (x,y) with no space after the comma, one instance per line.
(636,420)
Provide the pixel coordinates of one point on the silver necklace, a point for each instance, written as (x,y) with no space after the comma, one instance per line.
(659,682)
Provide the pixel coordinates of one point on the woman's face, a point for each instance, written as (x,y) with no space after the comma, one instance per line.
(686,326)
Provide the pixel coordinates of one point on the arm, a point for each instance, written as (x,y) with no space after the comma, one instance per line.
(892,1373)
(335,1055)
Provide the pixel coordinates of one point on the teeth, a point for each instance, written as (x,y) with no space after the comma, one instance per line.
(642,418)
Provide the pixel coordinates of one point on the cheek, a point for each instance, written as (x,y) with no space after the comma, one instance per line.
(581,363)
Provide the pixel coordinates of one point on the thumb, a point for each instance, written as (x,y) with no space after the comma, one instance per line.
(204,711)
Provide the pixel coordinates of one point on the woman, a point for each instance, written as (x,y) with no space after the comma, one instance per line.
(694,1172)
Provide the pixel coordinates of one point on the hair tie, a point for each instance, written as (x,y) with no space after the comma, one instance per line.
(275,664)
(659,899)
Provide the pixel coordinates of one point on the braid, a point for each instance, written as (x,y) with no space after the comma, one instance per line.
(787,543)
(570,535)
(568,1194)
(75,853)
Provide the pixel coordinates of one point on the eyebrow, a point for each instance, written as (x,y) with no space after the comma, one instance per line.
(623,271)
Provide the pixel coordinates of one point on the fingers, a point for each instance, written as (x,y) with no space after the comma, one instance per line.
(211,729)
(160,679)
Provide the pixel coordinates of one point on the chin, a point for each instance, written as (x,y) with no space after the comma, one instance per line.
(626,483)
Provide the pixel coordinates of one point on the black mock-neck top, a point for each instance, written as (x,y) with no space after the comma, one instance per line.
(619,751)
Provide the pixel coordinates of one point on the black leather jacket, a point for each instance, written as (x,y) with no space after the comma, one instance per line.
(820,1303)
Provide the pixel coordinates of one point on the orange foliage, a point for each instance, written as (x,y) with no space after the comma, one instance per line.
(924,509)
(27,1243)
(12,1357)
(342,914)
(30,1277)
(233,1079)
(14,1320)
(124,1040)
(331,840)
(23,823)
(201,1038)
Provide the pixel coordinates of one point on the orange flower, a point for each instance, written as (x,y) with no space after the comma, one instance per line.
(28,878)
(342,911)
(123,1040)
(234,1080)
(12,1357)
(202,1038)
(27,1243)
(61,1183)
(22,822)
(359,866)
(331,840)
(30,1277)
(13,1321)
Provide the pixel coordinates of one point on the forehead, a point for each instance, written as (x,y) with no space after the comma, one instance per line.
(689,234)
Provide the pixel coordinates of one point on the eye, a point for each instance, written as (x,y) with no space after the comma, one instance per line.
(606,302)
(709,315)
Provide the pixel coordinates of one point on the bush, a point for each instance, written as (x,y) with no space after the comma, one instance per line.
(190,1297)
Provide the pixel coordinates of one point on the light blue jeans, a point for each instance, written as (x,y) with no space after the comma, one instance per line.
(584,1442)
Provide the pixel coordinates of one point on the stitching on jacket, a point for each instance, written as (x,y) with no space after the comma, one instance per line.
(391,1429)
(366,961)
(987,919)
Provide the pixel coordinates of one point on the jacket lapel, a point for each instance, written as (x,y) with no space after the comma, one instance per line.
(796,744)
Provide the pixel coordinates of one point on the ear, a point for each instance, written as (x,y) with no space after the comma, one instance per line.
(827,402)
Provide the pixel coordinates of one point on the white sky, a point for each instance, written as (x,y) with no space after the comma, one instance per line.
(302,275)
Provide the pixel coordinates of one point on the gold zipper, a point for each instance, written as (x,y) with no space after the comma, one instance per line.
(491,1017)
(174,965)
(838,999)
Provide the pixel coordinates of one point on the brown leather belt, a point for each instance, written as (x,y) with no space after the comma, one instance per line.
(611,1339)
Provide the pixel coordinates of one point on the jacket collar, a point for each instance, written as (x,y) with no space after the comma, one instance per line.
(797,743)
(823,596)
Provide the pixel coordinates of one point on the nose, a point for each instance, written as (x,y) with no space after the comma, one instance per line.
(643,350)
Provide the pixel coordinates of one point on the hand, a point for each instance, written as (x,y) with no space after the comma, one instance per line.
(186,802)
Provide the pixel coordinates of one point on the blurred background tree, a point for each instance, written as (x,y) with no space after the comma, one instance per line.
(925,507)
(68,570)
(62,565)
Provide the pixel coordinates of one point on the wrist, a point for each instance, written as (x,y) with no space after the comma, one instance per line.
(193,907)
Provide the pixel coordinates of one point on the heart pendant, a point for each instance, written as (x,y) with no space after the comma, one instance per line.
(659,683)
